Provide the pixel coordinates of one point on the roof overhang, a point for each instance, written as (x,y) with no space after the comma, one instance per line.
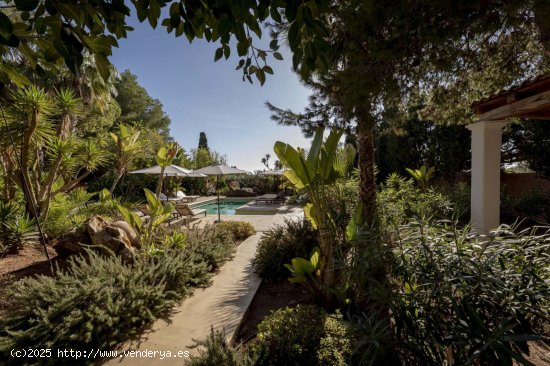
(529,100)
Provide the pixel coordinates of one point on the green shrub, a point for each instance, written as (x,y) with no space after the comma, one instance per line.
(456,296)
(240,229)
(532,206)
(71,210)
(215,245)
(399,200)
(303,335)
(98,302)
(16,229)
(336,346)
(214,351)
(341,204)
(280,244)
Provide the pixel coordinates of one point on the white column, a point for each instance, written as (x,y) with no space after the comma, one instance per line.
(485,175)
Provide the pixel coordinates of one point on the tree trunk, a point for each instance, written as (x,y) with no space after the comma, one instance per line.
(367,180)
(65,127)
(71,184)
(30,198)
(159,181)
(45,195)
(115,182)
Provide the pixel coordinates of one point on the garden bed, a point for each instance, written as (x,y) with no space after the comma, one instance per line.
(270,297)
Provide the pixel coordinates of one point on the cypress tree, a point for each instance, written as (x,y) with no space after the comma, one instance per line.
(203,142)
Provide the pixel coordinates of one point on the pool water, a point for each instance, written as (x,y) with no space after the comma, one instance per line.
(226,207)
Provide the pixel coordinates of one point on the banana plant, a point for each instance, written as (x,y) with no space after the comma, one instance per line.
(422,175)
(164,157)
(307,271)
(314,172)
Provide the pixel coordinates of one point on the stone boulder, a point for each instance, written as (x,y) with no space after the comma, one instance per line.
(130,232)
(96,233)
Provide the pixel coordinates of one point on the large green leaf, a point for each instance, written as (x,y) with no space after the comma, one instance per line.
(301,173)
(131,217)
(311,215)
(155,204)
(316,145)
(162,156)
(354,223)
(328,152)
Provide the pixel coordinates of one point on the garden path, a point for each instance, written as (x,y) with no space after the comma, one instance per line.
(221,306)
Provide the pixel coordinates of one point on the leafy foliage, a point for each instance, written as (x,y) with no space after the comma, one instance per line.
(148,230)
(303,335)
(240,229)
(280,244)
(531,207)
(214,244)
(113,299)
(16,229)
(456,299)
(216,351)
(137,107)
(422,176)
(399,200)
(314,173)
(307,271)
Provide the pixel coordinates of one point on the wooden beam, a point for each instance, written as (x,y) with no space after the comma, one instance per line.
(537,102)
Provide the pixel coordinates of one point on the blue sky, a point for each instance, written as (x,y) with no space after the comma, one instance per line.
(202,95)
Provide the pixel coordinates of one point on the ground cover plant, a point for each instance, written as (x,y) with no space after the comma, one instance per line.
(99,301)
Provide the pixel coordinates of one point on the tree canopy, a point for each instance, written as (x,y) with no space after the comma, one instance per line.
(138,107)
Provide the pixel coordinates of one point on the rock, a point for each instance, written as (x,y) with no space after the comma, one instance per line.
(107,240)
(127,254)
(65,248)
(113,239)
(95,224)
(130,232)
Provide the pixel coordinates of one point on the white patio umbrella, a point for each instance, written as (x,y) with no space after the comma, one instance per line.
(218,170)
(169,171)
(273,172)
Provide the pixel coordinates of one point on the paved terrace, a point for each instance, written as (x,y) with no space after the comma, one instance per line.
(221,306)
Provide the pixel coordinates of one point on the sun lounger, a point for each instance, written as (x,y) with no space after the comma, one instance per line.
(145,213)
(183,210)
(165,198)
(271,198)
(185,198)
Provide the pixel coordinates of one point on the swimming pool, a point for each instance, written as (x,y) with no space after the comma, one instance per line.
(226,207)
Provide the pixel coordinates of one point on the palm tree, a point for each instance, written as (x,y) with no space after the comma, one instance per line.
(265,161)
